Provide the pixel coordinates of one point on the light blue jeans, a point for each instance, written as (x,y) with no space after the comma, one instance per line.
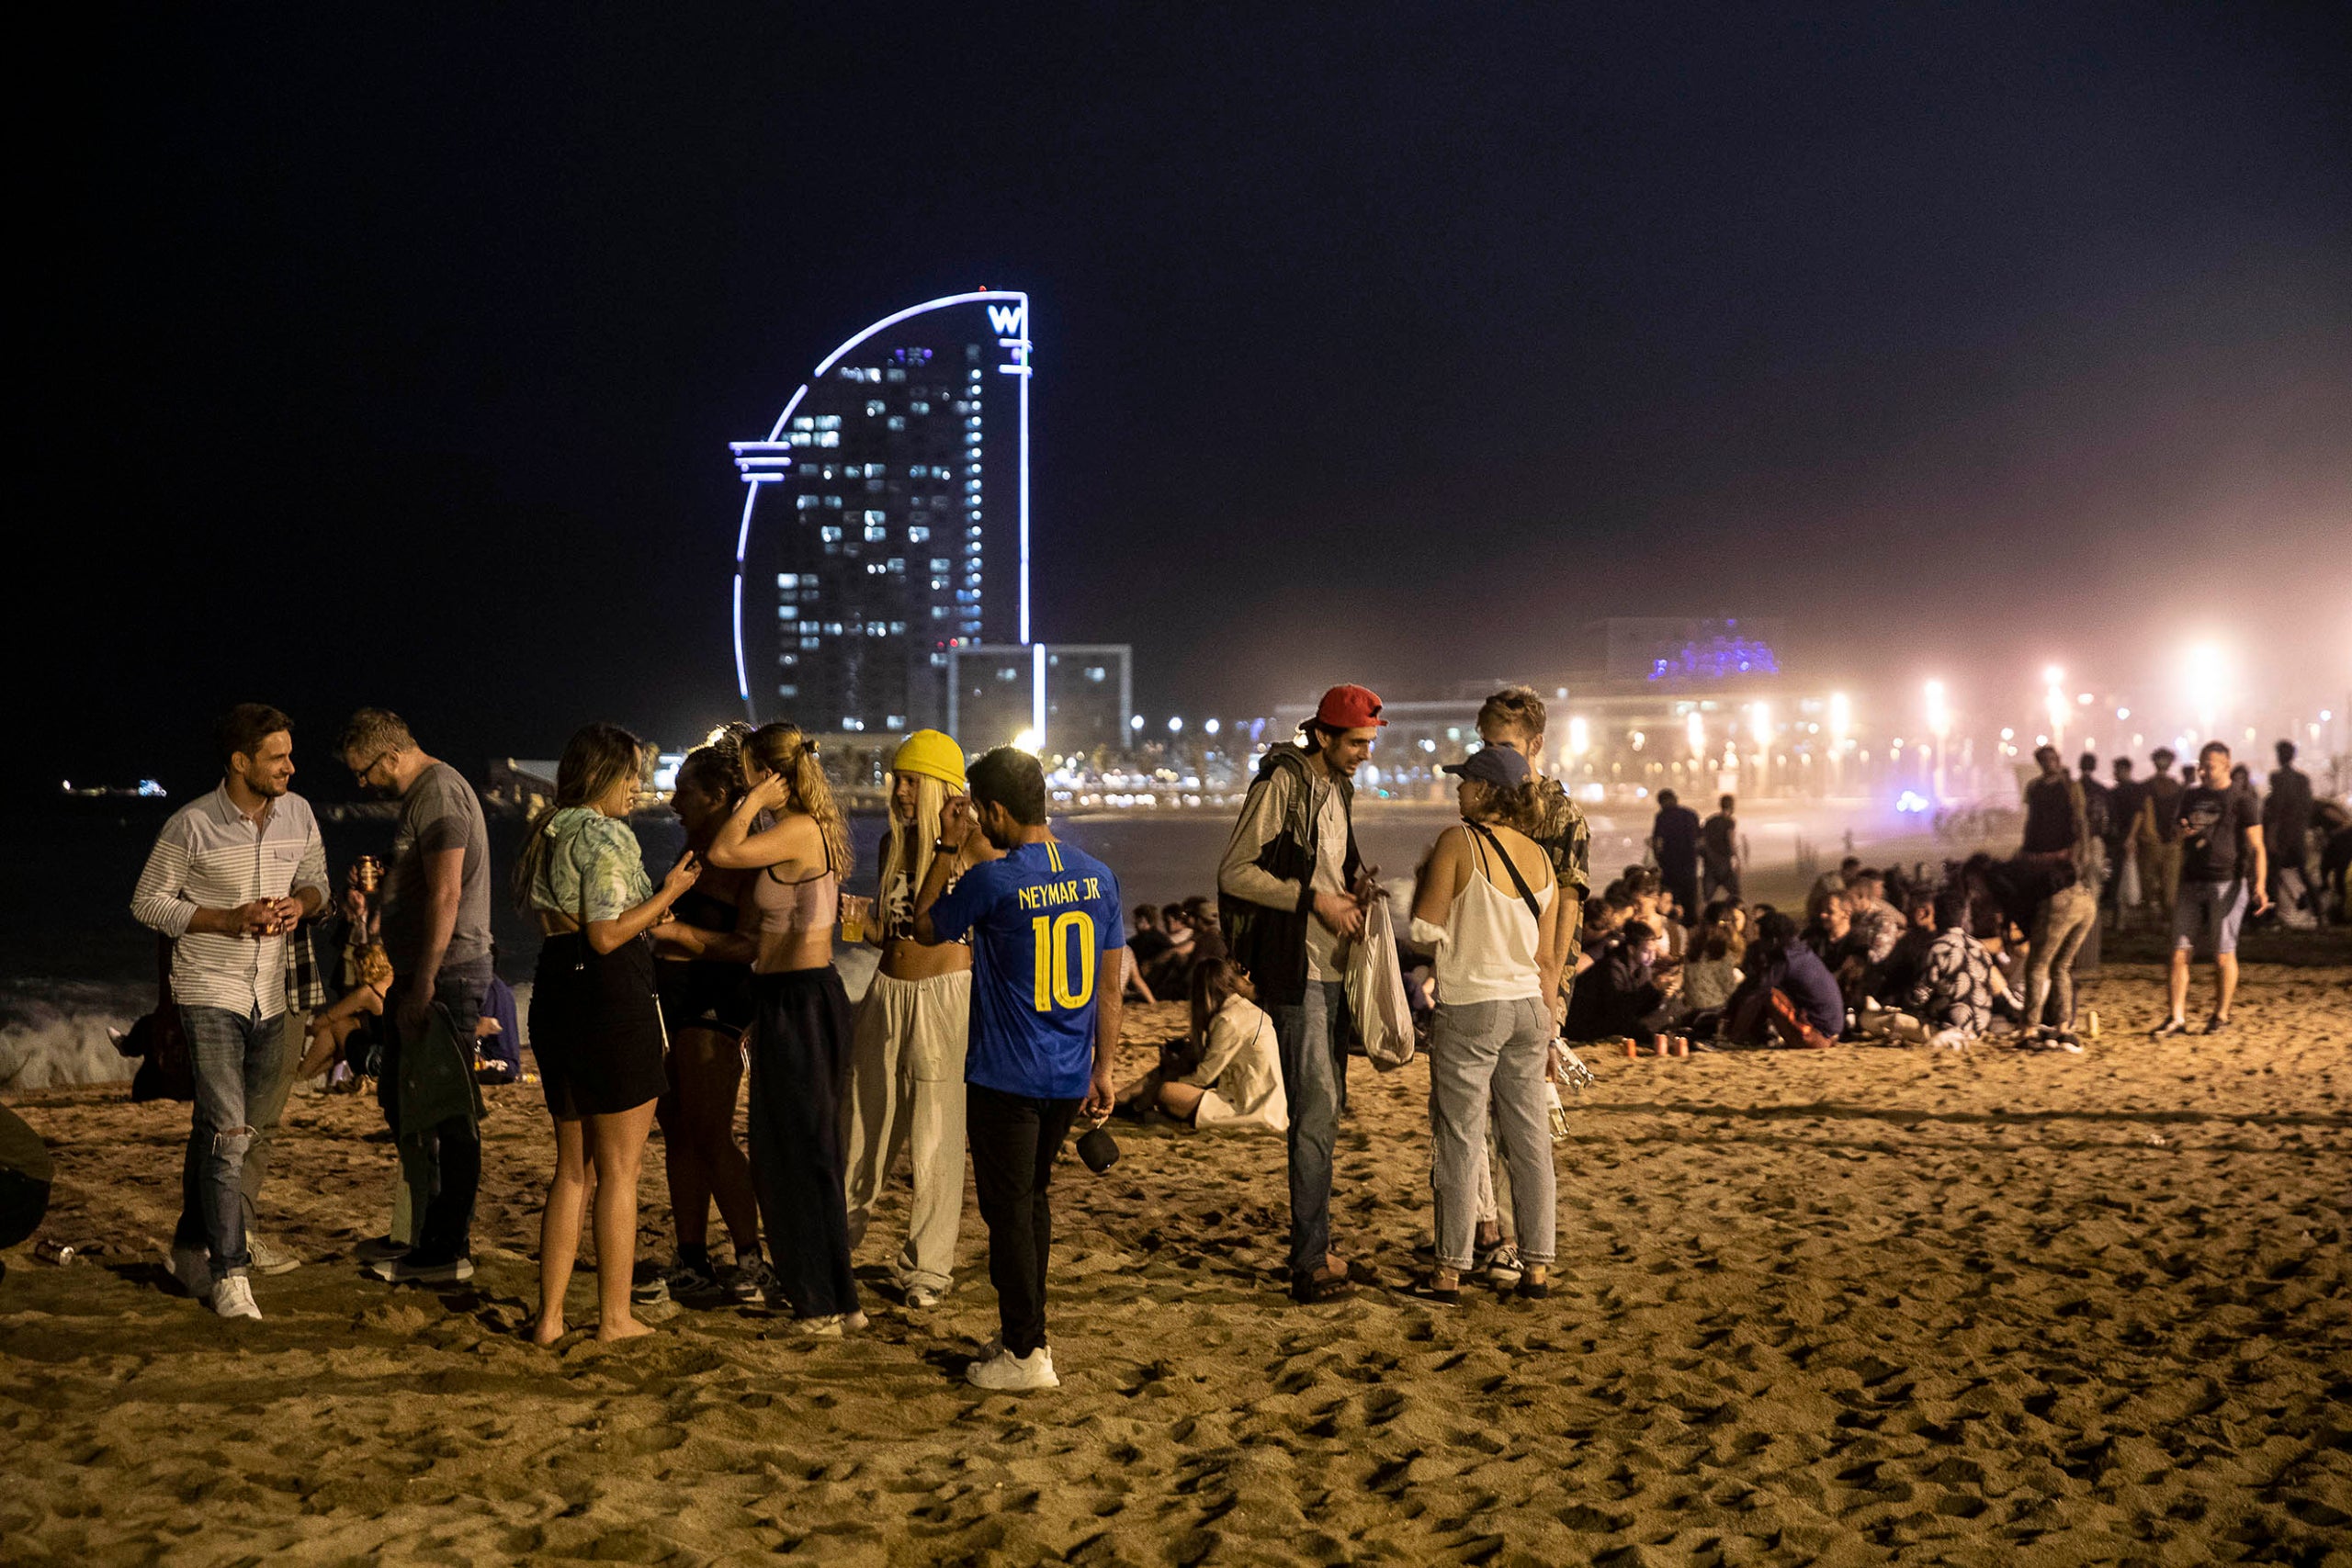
(1483,1054)
(1311,1037)
(239,1063)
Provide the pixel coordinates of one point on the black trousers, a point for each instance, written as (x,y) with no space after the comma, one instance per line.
(443,1229)
(1014,1139)
(799,1056)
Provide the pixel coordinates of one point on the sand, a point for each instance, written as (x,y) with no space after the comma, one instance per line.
(1861,1305)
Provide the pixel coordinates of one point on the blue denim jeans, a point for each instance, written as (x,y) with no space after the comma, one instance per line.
(237,1061)
(1312,1040)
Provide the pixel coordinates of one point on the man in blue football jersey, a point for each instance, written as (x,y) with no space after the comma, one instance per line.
(1045,935)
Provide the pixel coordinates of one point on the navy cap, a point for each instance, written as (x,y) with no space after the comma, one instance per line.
(1494,765)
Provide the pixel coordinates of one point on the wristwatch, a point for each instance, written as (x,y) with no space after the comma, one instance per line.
(942,847)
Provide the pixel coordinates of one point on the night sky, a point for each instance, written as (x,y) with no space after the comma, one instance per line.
(397,351)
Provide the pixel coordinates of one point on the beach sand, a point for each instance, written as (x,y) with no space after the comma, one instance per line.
(1846,1306)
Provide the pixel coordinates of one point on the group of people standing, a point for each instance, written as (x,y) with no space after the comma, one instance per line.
(650,1001)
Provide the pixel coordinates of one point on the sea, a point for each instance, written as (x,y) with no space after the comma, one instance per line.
(75,966)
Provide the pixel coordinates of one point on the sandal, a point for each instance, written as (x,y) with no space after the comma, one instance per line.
(1308,1290)
(1533,1289)
(2167,1029)
(2216,1024)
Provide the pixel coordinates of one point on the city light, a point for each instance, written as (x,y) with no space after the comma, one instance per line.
(1841,718)
(1580,735)
(2206,683)
(1176,727)
(1695,730)
(1759,723)
(1027,740)
(1135,723)
(2053,702)
(1212,726)
(1940,714)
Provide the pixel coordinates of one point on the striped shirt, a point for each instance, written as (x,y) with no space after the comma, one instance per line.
(212,856)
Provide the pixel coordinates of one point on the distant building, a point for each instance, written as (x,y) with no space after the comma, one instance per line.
(1064,699)
(886,520)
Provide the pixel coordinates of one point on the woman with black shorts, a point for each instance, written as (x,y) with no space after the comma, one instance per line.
(703,962)
(595,1026)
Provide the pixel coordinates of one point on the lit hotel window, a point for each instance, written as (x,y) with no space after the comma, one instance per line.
(941,563)
(787,579)
(787,691)
(787,613)
(874,406)
(877,517)
(829,535)
(829,438)
(810,641)
(895,721)
(896,422)
(808,502)
(918,535)
(875,531)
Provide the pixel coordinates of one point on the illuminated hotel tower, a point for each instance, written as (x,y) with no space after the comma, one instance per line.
(886,520)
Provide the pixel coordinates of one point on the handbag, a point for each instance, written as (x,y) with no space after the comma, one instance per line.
(1377,1001)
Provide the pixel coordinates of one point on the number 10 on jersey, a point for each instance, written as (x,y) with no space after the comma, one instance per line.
(1057,965)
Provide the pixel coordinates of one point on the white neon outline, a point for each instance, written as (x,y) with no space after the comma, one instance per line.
(743,681)
(1037,693)
(776,435)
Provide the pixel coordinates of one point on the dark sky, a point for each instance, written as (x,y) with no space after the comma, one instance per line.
(397,350)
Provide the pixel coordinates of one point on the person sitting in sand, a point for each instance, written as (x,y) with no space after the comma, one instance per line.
(1789,998)
(1224,1072)
(1630,989)
(1712,970)
(1949,1002)
(348,1016)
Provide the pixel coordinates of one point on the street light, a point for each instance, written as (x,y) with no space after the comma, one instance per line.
(1938,726)
(1176,726)
(1695,728)
(1212,726)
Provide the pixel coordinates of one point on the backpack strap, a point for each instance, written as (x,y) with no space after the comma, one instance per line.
(1516,881)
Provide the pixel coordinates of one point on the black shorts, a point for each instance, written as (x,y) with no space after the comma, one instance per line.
(700,995)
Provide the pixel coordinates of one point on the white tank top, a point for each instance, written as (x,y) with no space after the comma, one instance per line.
(1488,951)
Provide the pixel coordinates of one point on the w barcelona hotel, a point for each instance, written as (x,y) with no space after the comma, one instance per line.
(882,561)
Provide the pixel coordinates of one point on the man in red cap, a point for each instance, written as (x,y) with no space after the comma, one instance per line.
(1293,893)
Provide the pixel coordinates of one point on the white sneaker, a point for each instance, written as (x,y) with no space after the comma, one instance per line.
(921,1298)
(268,1259)
(233,1297)
(1503,1267)
(1008,1373)
(832,1325)
(192,1267)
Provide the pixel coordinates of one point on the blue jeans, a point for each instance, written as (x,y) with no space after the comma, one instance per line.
(237,1060)
(1312,1038)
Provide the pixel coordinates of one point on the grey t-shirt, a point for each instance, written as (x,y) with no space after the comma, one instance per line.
(440,811)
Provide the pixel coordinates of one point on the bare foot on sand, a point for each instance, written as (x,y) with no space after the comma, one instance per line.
(627,1328)
(547,1332)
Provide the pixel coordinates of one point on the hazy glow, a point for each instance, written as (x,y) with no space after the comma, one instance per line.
(2205,683)
(1695,728)
(1580,735)
(1841,716)
(1939,713)
(1759,723)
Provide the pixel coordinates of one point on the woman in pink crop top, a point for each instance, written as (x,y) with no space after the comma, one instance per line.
(800,1036)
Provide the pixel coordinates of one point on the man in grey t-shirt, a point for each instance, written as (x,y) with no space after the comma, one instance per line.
(436,900)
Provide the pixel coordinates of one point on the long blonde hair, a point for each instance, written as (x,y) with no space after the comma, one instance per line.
(782,750)
(911,846)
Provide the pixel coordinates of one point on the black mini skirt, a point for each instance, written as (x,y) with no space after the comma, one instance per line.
(596,1027)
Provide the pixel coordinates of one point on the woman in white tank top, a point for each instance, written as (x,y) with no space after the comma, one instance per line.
(1487,902)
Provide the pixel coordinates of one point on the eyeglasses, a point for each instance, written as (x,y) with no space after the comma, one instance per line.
(361,774)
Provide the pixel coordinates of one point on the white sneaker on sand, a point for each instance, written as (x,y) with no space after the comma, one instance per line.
(192,1267)
(233,1297)
(1503,1268)
(1008,1373)
(268,1257)
(921,1298)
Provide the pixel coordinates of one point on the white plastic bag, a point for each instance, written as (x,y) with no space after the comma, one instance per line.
(1376,992)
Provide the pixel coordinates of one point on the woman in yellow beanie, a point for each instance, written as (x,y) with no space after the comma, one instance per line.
(906,1082)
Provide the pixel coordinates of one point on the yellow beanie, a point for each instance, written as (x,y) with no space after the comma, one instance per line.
(934,754)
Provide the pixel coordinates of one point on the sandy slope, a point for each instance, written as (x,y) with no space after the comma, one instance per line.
(1850,1307)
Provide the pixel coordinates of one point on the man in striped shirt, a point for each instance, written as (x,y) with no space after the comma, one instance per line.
(229,879)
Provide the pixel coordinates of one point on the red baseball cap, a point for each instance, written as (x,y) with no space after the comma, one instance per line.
(1350,707)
